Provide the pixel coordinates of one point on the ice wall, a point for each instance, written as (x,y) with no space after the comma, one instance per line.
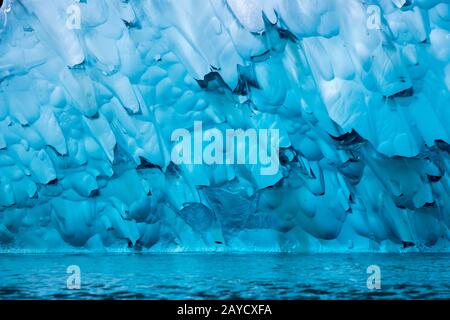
(91,91)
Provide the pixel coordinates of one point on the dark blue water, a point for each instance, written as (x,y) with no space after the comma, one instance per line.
(225,276)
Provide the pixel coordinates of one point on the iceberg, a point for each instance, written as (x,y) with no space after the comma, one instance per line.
(91,93)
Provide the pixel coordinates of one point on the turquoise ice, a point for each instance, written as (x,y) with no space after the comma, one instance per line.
(91,91)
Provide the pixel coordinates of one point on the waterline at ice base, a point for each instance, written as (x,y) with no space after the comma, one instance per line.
(325,126)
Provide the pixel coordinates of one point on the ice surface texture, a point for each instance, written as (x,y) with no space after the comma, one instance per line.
(359,91)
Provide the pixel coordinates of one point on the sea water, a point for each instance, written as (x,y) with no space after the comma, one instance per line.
(225,276)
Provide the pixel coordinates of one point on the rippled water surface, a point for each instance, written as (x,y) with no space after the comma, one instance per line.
(225,276)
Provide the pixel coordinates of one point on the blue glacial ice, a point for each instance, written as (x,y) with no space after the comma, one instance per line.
(91,91)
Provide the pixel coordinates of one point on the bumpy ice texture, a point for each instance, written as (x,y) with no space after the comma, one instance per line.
(358,89)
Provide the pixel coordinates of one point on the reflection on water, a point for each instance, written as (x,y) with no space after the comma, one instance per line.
(225,276)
